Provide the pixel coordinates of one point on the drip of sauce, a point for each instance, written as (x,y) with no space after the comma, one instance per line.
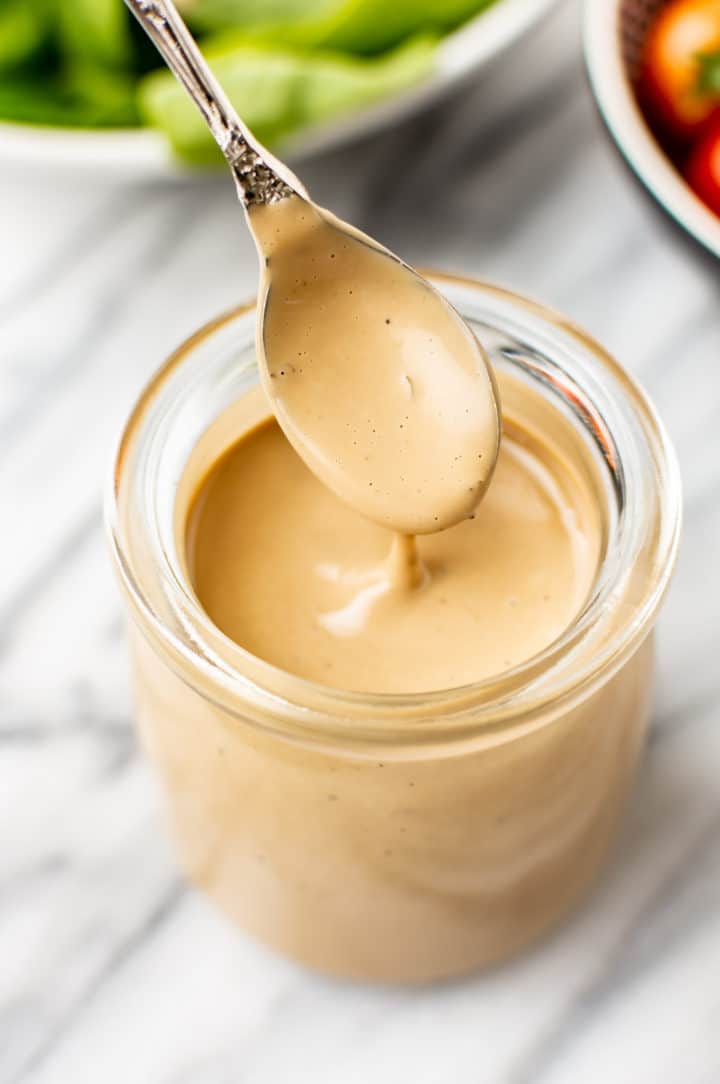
(300,579)
(405,568)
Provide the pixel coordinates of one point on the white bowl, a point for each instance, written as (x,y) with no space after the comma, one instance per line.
(144,153)
(616,100)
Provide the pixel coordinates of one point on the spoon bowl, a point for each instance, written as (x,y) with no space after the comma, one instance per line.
(377,382)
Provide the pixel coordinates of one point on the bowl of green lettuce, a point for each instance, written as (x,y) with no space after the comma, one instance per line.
(81,85)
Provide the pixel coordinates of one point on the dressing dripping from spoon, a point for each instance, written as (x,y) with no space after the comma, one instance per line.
(376,381)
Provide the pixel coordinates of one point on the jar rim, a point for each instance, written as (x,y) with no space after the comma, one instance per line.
(247,686)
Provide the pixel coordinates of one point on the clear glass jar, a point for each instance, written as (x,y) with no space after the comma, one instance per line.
(401,838)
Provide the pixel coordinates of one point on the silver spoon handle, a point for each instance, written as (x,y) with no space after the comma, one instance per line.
(259,177)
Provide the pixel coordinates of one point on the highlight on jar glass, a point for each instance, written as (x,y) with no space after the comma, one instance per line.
(395,758)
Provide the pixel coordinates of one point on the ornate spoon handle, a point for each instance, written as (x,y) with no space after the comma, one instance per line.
(260,178)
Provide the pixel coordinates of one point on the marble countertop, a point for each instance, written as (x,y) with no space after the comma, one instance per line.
(111,968)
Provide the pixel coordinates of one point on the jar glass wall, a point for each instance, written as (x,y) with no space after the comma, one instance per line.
(397,837)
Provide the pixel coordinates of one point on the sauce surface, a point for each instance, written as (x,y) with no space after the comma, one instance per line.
(377,382)
(298,578)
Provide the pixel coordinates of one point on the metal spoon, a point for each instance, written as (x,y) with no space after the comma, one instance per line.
(374,378)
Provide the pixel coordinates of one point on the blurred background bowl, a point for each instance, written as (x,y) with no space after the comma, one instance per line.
(614,33)
(144,153)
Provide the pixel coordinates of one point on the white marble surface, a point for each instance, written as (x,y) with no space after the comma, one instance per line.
(111,970)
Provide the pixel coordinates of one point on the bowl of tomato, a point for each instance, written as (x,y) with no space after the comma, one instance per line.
(654,66)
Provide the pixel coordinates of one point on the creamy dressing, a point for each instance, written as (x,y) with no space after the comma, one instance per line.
(377,382)
(300,579)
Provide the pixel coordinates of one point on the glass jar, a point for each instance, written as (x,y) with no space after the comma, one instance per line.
(392,837)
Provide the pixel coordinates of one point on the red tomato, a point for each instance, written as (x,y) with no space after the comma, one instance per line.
(703,169)
(683,33)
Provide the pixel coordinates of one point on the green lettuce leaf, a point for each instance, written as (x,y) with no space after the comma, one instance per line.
(24,30)
(356,26)
(95,32)
(278,92)
(71,64)
(107,93)
(78,102)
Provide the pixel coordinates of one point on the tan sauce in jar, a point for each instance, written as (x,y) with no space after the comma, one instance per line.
(301,580)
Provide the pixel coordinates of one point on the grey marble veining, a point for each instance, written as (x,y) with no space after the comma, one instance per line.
(112,969)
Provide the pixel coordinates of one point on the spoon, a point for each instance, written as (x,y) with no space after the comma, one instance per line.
(374,378)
